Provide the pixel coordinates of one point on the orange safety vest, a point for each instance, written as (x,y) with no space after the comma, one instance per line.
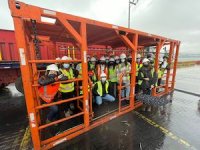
(99,72)
(48,92)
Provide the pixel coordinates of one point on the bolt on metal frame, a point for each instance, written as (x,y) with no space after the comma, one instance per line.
(22,14)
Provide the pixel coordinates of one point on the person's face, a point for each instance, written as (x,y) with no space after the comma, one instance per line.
(52,72)
(138,60)
(122,60)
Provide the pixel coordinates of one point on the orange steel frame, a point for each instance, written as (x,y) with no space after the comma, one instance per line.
(30,73)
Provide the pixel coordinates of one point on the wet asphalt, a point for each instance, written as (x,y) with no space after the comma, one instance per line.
(175,126)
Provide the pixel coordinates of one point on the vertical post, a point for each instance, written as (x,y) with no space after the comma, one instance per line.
(175,64)
(169,62)
(156,63)
(26,77)
(133,70)
(158,47)
(84,73)
(129,9)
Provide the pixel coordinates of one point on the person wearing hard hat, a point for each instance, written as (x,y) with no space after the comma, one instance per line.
(48,91)
(124,69)
(101,90)
(102,67)
(138,66)
(163,66)
(146,80)
(117,61)
(92,70)
(67,89)
(112,76)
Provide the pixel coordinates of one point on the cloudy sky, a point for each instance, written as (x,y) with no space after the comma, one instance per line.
(177,19)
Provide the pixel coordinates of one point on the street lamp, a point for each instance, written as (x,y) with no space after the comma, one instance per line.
(131,2)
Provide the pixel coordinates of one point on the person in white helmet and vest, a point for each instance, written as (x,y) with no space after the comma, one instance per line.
(92,70)
(138,66)
(146,80)
(101,90)
(67,89)
(112,76)
(102,67)
(125,68)
(48,92)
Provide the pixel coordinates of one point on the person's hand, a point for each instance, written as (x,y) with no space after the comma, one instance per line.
(60,76)
(147,79)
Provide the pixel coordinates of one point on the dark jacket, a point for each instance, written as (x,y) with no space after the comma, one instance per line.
(146,71)
(45,80)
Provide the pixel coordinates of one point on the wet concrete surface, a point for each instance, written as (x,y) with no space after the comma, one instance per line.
(13,118)
(175,126)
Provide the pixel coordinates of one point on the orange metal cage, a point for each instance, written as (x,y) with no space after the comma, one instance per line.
(81,33)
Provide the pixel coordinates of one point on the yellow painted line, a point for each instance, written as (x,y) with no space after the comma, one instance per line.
(165,131)
(25,139)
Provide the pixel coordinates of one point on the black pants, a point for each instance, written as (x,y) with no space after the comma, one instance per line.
(114,91)
(68,95)
(147,91)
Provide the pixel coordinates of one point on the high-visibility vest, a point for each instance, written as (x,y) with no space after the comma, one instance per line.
(91,66)
(67,87)
(100,90)
(80,70)
(99,71)
(127,70)
(92,69)
(48,92)
(161,72)
(140,81)
(112,74)
(138,66)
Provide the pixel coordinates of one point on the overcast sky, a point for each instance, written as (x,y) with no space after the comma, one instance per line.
(177,19)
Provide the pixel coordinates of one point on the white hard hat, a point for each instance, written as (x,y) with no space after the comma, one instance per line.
(129,56)
(102,58)
(145,60)
(116,57)
(88,56)
(58,58)
(103,75)
(138,56)
(111,59)
(52,67)
(65,58)
(93,59)
(122,56)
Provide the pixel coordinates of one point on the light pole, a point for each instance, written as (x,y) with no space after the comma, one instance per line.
(131,2)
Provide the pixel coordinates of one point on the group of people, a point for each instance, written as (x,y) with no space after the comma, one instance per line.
(104,74)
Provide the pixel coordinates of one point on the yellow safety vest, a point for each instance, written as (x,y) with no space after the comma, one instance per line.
(67,87)
(160,73)
(80,71)
(112,74)
(92,66)
(138,66)
(100,90)
(127,70)
(140,81)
